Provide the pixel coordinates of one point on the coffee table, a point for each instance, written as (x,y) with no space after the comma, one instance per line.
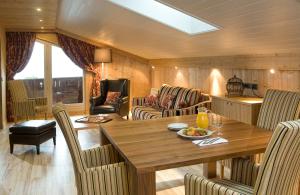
(83,126)
(148,146)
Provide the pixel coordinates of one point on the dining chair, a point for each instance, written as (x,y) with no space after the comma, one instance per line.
(278,174)
(22,105)
(278,106)
(98,171)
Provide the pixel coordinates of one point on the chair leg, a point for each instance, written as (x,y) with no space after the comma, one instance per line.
(127,117)
(45,115)
(38,149)
(11,148)
(54,140)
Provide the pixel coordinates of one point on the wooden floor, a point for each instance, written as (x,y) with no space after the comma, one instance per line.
(51,172)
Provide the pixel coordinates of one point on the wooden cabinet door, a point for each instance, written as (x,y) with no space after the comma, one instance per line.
(246,114)
(235,111)
(218,106)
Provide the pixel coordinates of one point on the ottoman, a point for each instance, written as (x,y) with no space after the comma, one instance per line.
(33,132)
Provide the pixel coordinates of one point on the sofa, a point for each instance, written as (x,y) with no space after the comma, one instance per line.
(141,110)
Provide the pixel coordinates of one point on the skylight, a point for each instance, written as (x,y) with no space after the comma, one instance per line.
(167,15)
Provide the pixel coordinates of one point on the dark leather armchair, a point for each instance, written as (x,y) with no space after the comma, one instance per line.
(121,108)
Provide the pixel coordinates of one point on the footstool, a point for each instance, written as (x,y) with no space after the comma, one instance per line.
(33,132)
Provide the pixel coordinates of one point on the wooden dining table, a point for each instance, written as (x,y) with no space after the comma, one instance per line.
(148,146)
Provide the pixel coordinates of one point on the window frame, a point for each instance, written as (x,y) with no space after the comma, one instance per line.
(48,80)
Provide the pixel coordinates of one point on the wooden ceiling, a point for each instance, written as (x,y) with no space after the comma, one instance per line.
(22,14)
(247,26)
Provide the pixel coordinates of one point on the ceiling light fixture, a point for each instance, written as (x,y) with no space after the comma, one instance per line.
(38,9)
(42,27)
(41,20)
(167,15)
(272,71)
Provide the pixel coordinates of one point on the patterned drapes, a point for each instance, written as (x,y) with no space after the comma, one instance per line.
(82,54)
(19,47)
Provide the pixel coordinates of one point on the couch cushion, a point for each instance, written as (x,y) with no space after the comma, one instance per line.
(188,96)
(144,113)
(104,109)
(167,90)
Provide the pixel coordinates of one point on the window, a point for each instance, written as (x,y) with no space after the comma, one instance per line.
(49,65)
(167,15)
(33,73)
(67,78)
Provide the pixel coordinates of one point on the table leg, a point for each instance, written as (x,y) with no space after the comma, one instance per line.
(210,170)
(141,183)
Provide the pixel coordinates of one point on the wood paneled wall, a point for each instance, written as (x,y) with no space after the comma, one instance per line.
(211,73)
(3,79)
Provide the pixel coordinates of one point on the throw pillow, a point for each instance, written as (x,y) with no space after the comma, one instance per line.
(112,97)
(167,101)
(151,100)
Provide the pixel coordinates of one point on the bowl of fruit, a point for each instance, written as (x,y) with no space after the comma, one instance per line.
(195,133)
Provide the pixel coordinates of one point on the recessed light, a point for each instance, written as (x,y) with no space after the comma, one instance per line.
(153,67)
(272,71)
(42,27)
(41,20)
(38,9)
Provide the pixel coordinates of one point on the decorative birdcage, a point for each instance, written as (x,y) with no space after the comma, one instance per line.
(235,87)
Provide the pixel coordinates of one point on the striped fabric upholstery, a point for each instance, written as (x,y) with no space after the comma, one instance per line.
(278,106)
(97,171)
(193,96)
(167,90)
(278,174)
(138,101)
(186,111)
(145,113)
(17,90)
(280,170)
(244,171)
(22,105)
(190,96)
(197,185)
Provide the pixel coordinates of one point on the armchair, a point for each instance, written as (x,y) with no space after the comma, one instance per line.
(22,105)
(121,107)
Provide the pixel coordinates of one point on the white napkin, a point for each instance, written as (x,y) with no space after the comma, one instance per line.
(210,141)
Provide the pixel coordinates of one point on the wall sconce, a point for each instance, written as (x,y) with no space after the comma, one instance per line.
(102,56)
(153,67)
(272,71)
(176,67)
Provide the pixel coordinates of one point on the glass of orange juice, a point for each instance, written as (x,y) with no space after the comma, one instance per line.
(202,118)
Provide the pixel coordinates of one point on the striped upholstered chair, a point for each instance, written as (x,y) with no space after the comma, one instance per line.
(97,171)
(278,106)
(278,174)
(22,105)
